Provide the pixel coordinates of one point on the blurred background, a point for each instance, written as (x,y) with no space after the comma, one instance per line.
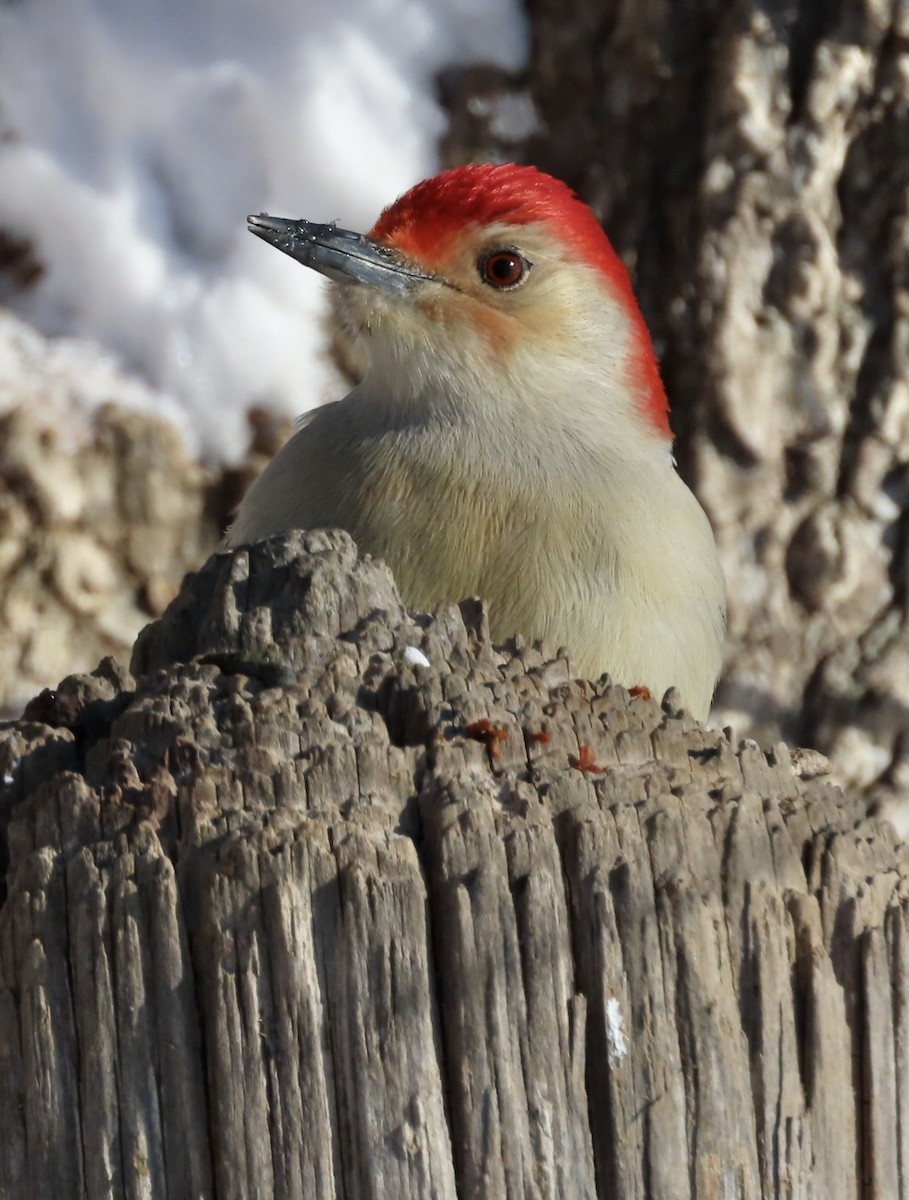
(748,158)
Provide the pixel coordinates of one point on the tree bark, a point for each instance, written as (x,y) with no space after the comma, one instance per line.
(291,914)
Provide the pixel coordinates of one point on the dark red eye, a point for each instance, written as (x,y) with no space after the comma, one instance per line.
(503,268)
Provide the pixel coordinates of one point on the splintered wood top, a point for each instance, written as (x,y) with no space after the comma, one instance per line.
(303,917)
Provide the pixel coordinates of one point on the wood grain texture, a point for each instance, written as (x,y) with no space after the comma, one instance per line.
(277,923)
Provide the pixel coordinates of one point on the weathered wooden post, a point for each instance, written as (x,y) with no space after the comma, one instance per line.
(293,914)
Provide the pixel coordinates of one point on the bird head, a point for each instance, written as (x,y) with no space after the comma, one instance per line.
(490,277)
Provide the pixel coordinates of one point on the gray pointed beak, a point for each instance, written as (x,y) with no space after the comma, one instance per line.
(341,255)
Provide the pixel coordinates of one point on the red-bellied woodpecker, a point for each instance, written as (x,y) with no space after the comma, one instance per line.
(510,438)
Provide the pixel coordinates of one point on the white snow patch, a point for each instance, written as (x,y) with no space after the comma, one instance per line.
(68,377)
(135,138)
(415,657)
(617,1044)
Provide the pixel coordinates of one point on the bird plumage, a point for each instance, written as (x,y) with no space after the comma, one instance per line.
(509,441)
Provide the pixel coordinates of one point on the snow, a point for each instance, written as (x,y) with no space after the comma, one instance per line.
(617,1043)
(135,138)
(66,372)
(415,657)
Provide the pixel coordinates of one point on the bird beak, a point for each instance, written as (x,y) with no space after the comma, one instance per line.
(341,255)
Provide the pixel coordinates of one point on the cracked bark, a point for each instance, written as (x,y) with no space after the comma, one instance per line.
(275,923)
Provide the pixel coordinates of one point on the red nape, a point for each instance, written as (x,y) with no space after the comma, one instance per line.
(425,221)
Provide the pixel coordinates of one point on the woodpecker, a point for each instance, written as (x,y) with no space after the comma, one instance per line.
(510,438)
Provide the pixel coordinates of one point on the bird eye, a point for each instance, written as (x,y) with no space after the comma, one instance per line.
(503,268)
